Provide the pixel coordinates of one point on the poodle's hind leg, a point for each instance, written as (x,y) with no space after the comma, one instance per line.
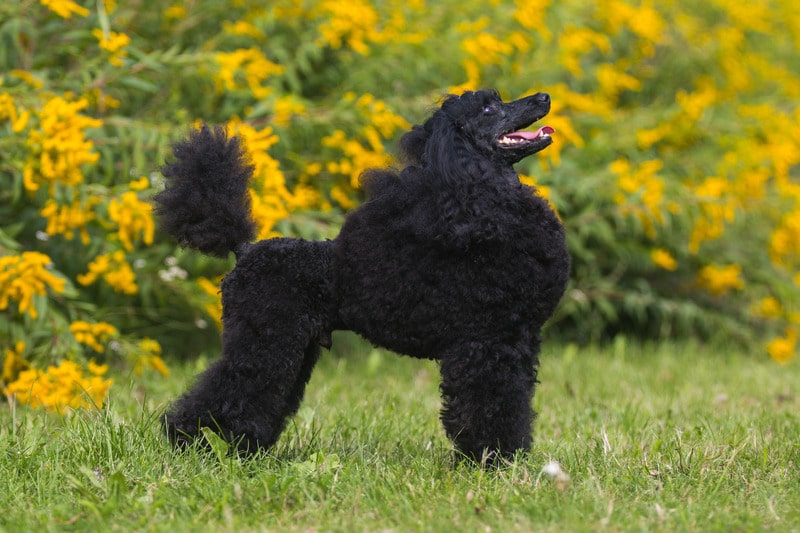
(246,405)
(487,389)
(274,318)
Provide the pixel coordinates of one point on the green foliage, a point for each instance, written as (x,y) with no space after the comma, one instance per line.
(674,167)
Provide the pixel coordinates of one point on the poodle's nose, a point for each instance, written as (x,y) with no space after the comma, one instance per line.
(543,98)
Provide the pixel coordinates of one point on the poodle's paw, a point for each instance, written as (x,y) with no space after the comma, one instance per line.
(490,456)
(487,459)
(184,431)
(180,434)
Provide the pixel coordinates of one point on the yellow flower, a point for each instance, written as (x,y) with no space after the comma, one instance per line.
(756,17)
(150,357)
(357,158)
(140,184)
(8,111)
(96,369)
(176,12)
(712,187)
(93,335)
(367,149)
(101,100)
(575,42)
(768,307)
(252,65)
(114,269)
(28,77)
(285,108)
(14,363)
(303,197)
(267,210)
(641,192)
(312,169)
(64,220)
(65,8)
(134,219)
(531,15)
(271,199)
(60,388)
(784,243)
(150,346)
(613,80)
(664,259)
(380,117)
(58,148)
(152,362)
(693,104)
(113,43)
(580,102)
(486,49)
(717,208)
(648,137)
(339,196)
(349,22)
(269,194)
(719,280)
(647,23)
(644,21)
(783,349)
(24,276)
(241,27)
(214,305)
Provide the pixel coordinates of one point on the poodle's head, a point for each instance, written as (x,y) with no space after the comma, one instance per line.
(492,127)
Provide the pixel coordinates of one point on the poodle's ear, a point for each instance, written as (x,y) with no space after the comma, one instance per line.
(437,145)
(412,144)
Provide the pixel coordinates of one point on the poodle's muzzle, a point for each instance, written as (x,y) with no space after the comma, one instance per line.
(514,143)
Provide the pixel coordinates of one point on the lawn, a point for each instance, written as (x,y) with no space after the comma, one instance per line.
(673,437)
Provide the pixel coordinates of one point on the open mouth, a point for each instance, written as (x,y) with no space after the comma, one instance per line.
(519,139)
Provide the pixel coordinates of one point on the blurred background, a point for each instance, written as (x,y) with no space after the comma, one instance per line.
(675,167)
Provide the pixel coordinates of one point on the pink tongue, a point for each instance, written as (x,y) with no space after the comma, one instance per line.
(530,135)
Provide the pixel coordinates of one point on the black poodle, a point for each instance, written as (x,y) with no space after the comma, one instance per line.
(451,258)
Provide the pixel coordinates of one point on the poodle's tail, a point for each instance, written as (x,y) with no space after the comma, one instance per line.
(206,204)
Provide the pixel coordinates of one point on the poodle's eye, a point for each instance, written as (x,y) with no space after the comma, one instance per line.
(488,110)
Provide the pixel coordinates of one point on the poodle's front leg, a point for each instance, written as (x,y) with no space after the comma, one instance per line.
(487,390)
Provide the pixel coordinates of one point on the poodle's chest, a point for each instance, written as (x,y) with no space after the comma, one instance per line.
(467,257)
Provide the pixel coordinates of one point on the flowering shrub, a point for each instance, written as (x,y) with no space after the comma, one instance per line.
(23,277)
(61,387)
(675,165)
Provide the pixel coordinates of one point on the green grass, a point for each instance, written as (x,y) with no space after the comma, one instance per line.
(671,438)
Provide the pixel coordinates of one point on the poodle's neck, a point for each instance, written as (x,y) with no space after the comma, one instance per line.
(462,167)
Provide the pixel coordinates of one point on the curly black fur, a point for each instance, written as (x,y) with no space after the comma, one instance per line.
(206,204)
(451,258)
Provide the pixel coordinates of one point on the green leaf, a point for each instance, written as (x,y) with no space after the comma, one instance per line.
(219,446)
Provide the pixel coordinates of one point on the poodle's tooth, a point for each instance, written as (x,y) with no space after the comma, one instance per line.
(507,139)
